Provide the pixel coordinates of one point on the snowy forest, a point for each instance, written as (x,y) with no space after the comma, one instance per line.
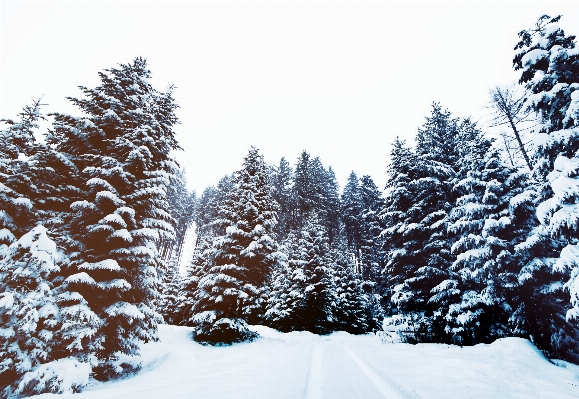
(472,239)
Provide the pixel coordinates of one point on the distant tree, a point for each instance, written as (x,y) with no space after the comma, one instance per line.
(352,214)
(356,311)
(282,194)
(303,296)
(182,206)
(371,260)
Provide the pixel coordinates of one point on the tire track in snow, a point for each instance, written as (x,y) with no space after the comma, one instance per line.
(314,382)
(388,389)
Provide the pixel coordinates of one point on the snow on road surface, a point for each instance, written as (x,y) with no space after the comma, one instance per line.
(303,365)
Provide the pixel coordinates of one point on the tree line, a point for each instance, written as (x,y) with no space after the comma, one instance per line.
(466,245)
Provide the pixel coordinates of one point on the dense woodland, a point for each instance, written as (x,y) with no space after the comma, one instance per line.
(471,240)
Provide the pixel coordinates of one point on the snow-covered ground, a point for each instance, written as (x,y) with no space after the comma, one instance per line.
(304,365)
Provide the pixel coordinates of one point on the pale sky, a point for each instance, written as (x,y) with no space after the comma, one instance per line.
(338,79)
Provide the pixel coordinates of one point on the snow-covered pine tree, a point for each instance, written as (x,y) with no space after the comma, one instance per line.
(284,310)
(122,147)
(330,206)
(484,275)
(394,217)
(371,260)
(418,200)
(35,179)
(37,187)
(356,311)
(171,300)
(549,64)
(303,190)
(420,249)
(315,189)
(282,193)
(351,214)
(16,209)
(303,295)
(207,209)
(182,205)
(45,328)
(238,264)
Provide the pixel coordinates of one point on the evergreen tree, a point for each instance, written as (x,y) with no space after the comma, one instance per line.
(122,147)
(549,66)
(238,264)
(45,329)
(351,214)
(171,297)
(371,260)
(182,206)
(207,209)
(418,201)
(331,206)
(304,294)
(282,193)
(483,286)
(303,190)
(17,214)
(285,309)
(356,312)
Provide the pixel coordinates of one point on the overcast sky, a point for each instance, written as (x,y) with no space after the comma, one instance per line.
(338,79)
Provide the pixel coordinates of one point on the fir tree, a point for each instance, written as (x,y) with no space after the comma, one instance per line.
(371,259)
(485,272)
(122,147)
(549,66)
(238,264)
(45,328)
(356,311)
(304,294)
(418,200)
(282,193)
(351,214)
(303,190)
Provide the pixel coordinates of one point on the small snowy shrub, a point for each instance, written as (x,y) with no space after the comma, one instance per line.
(224,331)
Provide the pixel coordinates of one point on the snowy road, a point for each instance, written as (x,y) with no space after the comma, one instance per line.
(302,365)
(337,372)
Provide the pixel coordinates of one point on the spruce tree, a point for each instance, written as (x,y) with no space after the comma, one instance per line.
(233,288)
(121,146)
(484,281)
(549,65)
(303,296)
(356,311)
(418,201)
(46,330)
(282,193)
(371,261)
(351,214)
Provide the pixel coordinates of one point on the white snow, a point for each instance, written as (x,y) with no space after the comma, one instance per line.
(69,372)
(304,365)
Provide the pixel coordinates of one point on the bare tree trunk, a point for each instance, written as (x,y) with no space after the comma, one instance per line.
(511,111)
